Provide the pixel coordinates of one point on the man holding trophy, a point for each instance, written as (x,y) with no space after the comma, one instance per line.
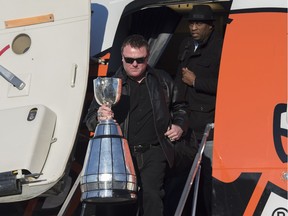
(153,118)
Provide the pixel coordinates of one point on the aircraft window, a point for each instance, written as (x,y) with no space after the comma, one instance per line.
(21,44)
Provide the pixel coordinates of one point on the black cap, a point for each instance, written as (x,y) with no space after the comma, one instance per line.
(201,13)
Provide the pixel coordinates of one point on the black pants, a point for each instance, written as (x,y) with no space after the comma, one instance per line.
(150,168)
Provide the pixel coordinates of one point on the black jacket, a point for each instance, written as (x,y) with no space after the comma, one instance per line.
(167,104)
(204,62)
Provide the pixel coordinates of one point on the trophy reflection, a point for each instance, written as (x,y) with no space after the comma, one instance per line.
(108,172)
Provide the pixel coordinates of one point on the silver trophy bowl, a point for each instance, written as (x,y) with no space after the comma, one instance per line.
(107,90)
(108,172)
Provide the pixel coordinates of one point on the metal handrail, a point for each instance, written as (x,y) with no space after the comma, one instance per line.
(194,172)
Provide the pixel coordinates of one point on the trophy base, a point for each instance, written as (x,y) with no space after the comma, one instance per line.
(108,196)
(108,171)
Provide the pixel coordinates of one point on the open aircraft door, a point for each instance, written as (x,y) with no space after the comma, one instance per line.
(250,141)
(44,62)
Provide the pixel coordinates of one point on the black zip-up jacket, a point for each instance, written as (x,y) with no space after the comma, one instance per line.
(169,107)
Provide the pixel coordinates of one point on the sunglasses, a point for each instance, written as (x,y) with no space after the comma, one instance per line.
(131,60)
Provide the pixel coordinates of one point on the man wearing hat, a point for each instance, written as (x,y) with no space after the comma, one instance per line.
(197,77)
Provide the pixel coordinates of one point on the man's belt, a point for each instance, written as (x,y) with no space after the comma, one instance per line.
(142,148)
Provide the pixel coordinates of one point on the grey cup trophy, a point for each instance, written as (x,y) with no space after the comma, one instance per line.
(108,173)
